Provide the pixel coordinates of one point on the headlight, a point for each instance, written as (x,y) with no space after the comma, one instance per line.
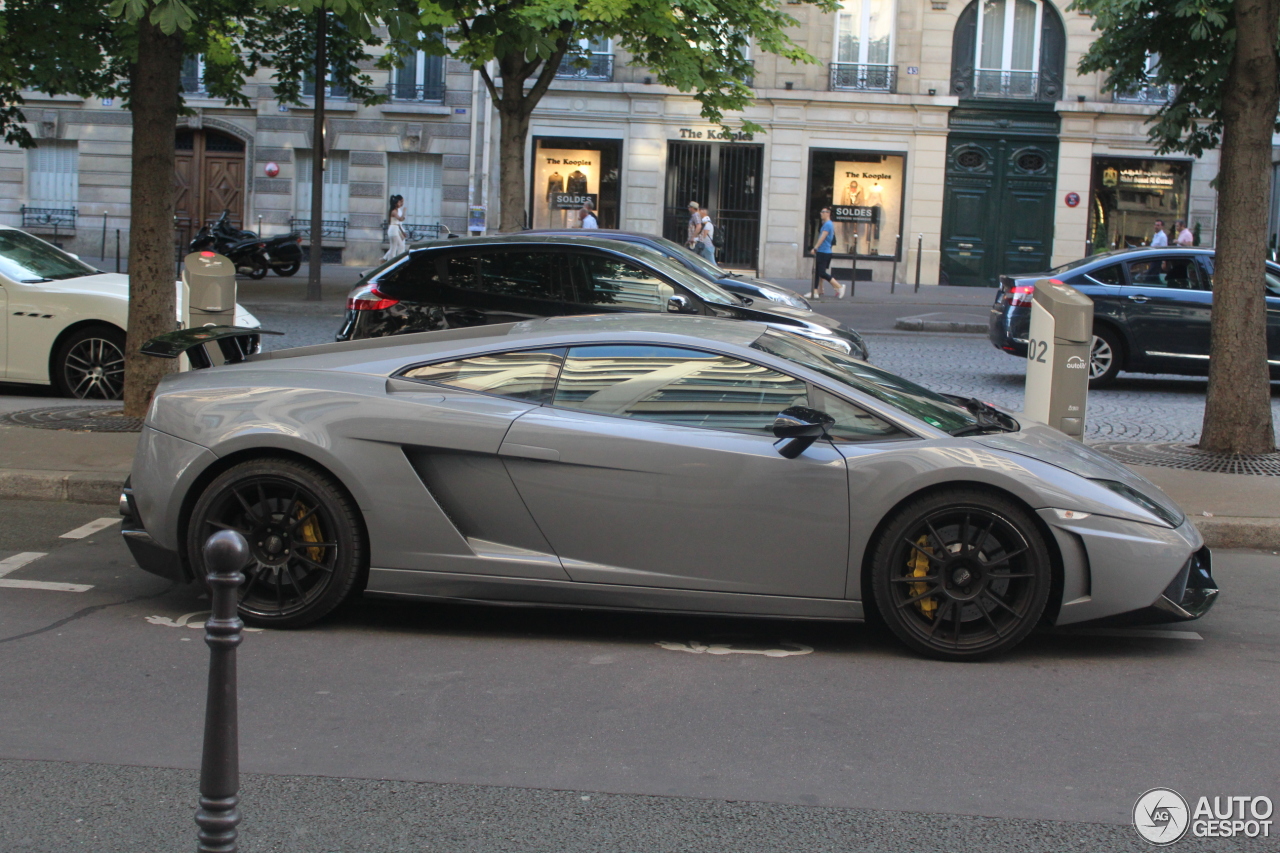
(1169,517)
(832,343)
(788,299)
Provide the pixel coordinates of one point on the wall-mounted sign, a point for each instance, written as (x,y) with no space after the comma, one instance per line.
(270,169)
(475,218)
(847,213)
(1072,199)
(573,201)
(913,69)
(716,133)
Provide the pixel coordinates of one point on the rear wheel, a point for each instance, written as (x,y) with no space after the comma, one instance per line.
(288,270)
(1106,356)
(304,535)
(961,575)
(89,364)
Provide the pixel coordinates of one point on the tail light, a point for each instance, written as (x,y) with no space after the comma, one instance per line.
(1021,294)
(299,241)
(370,300)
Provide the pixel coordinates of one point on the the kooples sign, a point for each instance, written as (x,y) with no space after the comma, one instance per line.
(716,133)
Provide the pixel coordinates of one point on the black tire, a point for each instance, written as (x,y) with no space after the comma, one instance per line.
(289,270)
(980,599)
(258,267)
(89,364)
(304,533)
(1106,357)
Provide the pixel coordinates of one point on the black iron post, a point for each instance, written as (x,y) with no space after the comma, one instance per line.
(853,273)
(102,252)
(320,72)
(117,250)
(919,252)
(893,276)
(813,288)
(226,553)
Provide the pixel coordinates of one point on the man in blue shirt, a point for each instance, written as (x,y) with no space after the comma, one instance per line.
(822,257)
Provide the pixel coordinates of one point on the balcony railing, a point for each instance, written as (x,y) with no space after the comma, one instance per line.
(431,93)
(1019,85)
(850,76)
(49,219)
(1151,93)
(599,67)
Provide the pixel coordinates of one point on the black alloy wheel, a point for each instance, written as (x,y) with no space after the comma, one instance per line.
(961,575)
(89,364)
(1106,357)
(304,535)
(288,270)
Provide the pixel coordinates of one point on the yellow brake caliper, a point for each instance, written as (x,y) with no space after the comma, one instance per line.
(309,531)
(918,565)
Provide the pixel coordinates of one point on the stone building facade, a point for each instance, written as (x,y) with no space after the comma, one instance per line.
(960,127)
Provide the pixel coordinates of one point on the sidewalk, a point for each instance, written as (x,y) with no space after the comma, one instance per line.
(878,306)
(1230,510)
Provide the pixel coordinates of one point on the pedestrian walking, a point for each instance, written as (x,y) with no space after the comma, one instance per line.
(587,215)
(695,225)
(706,235)
(395,228)
(822,256)
(1185,238)
(1159,239)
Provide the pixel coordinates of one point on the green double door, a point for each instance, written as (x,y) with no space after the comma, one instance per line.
(997,211)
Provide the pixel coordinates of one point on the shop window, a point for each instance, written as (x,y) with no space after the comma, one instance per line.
(864,47)
(568,173)
(864,191)
(1130,195)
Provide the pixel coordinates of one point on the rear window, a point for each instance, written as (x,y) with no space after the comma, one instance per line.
(413,279)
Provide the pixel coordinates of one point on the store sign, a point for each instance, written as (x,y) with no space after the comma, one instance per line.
(1145,180)
(847,213)
(573,201)
(716,133)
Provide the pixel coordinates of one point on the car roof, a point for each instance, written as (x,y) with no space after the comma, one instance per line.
(521,237)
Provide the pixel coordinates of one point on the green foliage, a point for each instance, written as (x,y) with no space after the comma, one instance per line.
(1195,40)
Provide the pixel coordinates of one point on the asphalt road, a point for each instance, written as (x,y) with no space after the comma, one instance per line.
(415,726)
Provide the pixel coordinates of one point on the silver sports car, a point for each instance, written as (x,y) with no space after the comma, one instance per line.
(643,462)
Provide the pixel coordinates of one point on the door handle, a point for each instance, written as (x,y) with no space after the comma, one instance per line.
(1139,298)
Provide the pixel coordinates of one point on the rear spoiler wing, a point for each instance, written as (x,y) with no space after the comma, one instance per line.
(234,344)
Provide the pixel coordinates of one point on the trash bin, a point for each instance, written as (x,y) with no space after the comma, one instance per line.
(1058,356)
(211,279)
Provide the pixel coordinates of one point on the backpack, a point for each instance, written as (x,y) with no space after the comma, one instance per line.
(717,237)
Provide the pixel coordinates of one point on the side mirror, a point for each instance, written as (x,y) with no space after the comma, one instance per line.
(799,427)
(680,305)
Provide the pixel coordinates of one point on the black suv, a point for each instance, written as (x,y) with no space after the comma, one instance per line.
(1151,310)
(507,278)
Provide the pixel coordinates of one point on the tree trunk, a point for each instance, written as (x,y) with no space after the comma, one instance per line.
(1237,414)
(152,296)
(513,130)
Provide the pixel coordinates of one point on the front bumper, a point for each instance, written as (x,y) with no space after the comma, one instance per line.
(1191,594)
(150,556)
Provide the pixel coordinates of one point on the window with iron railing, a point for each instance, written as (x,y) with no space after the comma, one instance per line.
(193,75)
(864,47)
(1008,49)
(1018,85)
(1150,92)
(592,60)
(421,78)
(331,89)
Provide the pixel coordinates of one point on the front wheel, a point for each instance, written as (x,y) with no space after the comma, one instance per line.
(304,536)
(961,574)
(89,364)
(288,270)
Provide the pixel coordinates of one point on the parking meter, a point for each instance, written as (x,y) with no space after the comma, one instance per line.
(211,280)
(1058,356)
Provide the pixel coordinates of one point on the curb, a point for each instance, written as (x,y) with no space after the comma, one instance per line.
(82,486)
(913,324)
(1259,533)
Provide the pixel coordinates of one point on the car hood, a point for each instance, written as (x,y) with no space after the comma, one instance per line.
(776,312)
(1048,445)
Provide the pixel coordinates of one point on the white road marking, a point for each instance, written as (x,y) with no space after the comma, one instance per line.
(184,621)
(17,561)
(1151,633)
(10,583)
(696,648)
(90,528)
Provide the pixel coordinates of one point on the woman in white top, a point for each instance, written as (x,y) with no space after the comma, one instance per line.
(395,228)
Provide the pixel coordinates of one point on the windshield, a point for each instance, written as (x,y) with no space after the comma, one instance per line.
(704,289)
(28,259)
(913,399)
(686,255)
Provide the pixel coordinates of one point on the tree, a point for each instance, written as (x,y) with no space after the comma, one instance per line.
(693,46)
(134,49)
(1224,57)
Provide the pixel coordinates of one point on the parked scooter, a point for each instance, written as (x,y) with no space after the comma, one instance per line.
(284,253)
(249,256)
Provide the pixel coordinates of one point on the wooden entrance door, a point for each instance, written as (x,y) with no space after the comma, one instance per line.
(997,212)
(208,178)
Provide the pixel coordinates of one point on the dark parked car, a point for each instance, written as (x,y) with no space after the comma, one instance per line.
(507,278)
(1151,311)
(748,286)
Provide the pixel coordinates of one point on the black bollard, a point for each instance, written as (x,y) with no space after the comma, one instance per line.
(919,252)
(226,553)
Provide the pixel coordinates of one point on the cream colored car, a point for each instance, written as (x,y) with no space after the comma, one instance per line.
(62,322)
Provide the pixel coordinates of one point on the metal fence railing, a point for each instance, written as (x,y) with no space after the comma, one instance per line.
(55,220)
(428,93)
(1151,93)
(849,76)
(599,67)
(416,231)
(331,230)
(1020,85)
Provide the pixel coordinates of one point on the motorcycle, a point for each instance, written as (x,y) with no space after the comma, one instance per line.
(283,253)
(249,256)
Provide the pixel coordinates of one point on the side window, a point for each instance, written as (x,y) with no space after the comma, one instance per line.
(1273,282)
(1175,273)
(525,275)
(852,423)
(461,270)
(528,375)
(676,386)
(622,286)
(413,279)
(1206,272)
(1106,275)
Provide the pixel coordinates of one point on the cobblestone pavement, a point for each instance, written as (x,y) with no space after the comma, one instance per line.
(1139,407)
